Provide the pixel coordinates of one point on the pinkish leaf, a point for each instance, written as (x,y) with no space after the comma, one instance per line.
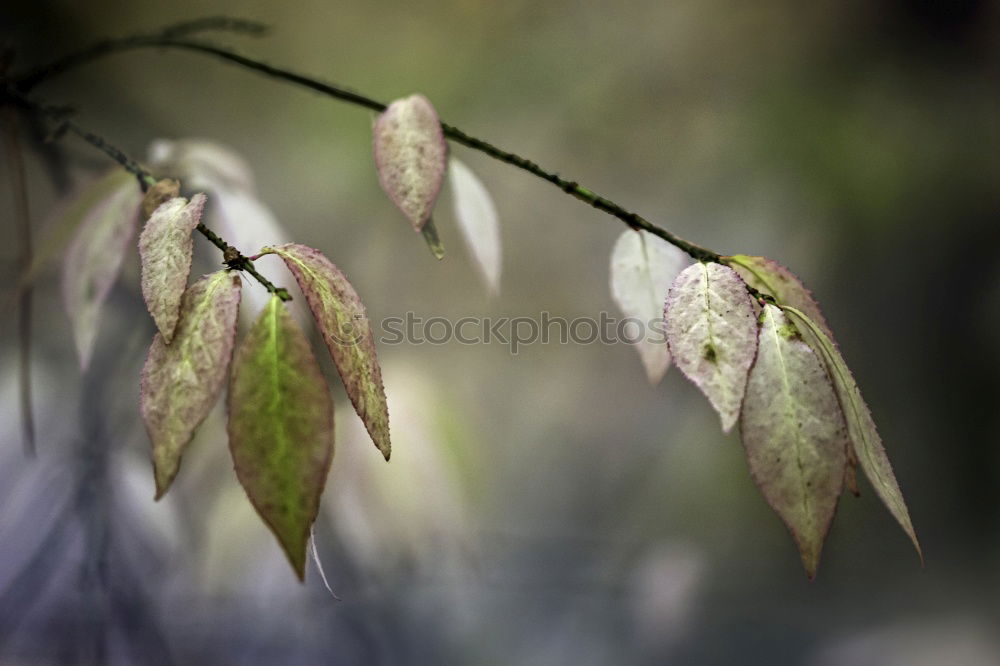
(794,434)
(770,277)
(712,333)
(165,248)
(642,269)
(94,258)
(410,156)
(341,318)
(281,428)
(181,381)
(860,425)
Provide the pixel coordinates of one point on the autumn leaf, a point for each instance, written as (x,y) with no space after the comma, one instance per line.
(860,425)
(477,220)
(343,322)
(712,334)
(642,269)
(410,156)
(94,258)
(770,277)
(281,428)
(165,249)
(794,434)
(181,381)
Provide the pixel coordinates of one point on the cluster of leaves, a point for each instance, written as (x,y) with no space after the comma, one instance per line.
(743,329)
(751,337)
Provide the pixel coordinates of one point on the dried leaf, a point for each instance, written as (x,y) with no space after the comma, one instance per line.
(281,428)
(860,425)
(477,220)
(341,318)
(410,156)
(642,269)
(181,381)
(712,334)
(165,248)
(94,259)
(772,278)
(794,434)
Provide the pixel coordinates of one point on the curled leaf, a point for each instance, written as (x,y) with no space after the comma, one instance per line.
(410,156)
(94,258)
(165,249)
(712,334)
(281,428)
(642,269)
(860,425)
(772,278)
(477,220)
(794,434)
(343,322)
(181,381)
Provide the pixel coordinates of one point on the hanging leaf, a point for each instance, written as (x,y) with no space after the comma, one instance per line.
(477,220)
(410,156)
(794,434)
(712,334)
(642,269)
(341,318)
(163,191)
(772,278)
(94,259)
(165,248)
(860,426)
(181,381)
(281,428)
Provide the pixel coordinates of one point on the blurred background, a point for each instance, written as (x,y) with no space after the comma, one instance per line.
(549,507)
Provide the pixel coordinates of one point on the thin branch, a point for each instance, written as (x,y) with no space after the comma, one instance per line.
(22,220)
(574,189)
(231,256)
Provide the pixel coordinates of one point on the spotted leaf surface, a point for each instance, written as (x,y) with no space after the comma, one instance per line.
(281,428)
(181,381)
(410,156)
(165,250)
(94,257)
(772,278)
(794,434)
(712,334)
(343,322)
(860,426)
(642,269)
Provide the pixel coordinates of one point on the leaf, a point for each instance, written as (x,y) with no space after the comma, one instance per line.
(341,318)
(181,381)
(860,425)
(712,334)
(477,220)
(281,428)
(794,434)
(642,269)
(163,191)
(410,156)
(165,248)
(202,164)
(94,259)
(772,278)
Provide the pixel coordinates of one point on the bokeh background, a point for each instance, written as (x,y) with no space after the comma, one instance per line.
(548,507)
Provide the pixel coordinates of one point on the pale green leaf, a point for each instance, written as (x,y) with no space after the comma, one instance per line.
(343,322)
(165,250)
(642,269)
(181,381)
(860,425)
(712,333)
(281,428)
(794,434)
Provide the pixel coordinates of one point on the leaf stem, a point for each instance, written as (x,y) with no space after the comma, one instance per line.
(231,256)
(167,39)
